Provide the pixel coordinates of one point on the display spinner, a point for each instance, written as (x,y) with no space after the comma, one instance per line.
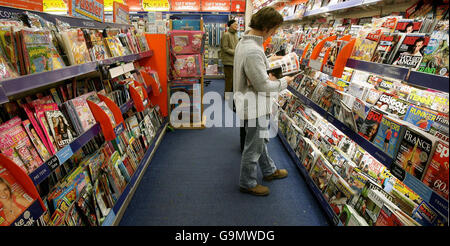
(421,200)
(122,116)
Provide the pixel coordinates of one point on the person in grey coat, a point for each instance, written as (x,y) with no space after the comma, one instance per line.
(254,90)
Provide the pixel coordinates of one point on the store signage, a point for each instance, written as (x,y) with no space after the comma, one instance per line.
(23,4)
(185,5)
(156,5)
(121,13)
(238,6)
(55,6)
(108,4)
(91,9)
(216,5)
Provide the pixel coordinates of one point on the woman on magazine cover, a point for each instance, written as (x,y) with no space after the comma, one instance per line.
(11,206)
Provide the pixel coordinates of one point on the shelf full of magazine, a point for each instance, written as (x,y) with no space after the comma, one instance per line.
(35,52)
(315,189)
(344,172)
(318,7)
(116,212)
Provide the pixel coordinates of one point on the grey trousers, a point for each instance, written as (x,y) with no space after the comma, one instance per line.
(255,152)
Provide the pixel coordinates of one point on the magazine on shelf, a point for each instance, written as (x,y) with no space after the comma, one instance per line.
(371,201)
(321,173)
(59,129)
(440,127)
(84,114)
(95,44)
(421,97)
(389,134)
(350,217)
(436,175)
(410,52)
(9,57)
(75,46)
(370,125)
(427,216)
(440,102)
(347,116)
(364,49)
(39,54)
(16,145)
(392,105)
(415,152)
(408,26)
(15,201)
(421,117)
(372,167)
(37,142)
(389,42)
(373,95)
(436,54)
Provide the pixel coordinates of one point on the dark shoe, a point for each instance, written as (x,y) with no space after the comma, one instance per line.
(258,190)
(278,174)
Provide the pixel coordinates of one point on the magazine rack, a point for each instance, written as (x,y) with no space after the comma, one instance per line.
(37,208)
(316,51)
(109,131)
(138,101)
(341,59)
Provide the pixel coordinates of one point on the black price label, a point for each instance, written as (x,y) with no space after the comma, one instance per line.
(398,172)
(53,163)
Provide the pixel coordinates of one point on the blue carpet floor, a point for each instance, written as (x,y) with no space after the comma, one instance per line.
(193,181)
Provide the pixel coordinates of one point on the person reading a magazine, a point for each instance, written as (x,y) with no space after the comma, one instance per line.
(252,82)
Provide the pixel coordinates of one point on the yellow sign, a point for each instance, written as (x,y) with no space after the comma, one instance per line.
(55,6)
(108,4)
(155,5)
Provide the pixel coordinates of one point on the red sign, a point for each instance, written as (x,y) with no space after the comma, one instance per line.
(134,5)
(121,13)
(24,4)
(216,5)
(238,6)
(185,5)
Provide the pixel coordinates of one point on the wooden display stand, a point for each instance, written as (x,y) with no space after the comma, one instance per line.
(193,125)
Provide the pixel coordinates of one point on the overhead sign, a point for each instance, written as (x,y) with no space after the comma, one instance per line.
(238,6)
(108,4)
(216,5)
(185,5)
(156,5)
(23,4)
(121,13)
(55,6)
(91,9)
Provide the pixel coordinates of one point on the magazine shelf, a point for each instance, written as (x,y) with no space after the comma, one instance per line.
(361,141)
(315,190)
(32,81)
(8,12)
(116,213)
(425,192)
(43,171)
(332,8)
(431,81)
